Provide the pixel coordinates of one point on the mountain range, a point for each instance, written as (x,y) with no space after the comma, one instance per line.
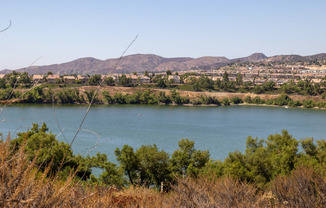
(154,63)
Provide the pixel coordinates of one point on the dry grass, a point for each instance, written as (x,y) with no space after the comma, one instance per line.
(303,188)
(22,185)
(223,192)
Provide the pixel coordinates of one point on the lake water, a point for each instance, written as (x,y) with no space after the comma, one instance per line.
(219,129)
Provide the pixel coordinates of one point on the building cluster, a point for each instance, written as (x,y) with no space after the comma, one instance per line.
(260,74)
(83,79)
(256,74)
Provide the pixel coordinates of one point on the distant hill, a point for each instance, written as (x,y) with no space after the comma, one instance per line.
(154,63)
(252,58)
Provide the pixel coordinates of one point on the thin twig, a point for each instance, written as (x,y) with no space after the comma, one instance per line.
(6,27)
(97,142)
(56,120)
(97,89)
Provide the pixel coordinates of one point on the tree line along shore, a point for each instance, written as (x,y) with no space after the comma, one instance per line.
(198,90)
(140,95)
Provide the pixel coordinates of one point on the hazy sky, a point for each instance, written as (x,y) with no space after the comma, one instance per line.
(63,30)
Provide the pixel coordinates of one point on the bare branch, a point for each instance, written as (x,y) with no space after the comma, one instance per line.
(6,27)
(56,119)
(98,88)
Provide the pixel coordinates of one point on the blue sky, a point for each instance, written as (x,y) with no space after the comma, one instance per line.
(63,30)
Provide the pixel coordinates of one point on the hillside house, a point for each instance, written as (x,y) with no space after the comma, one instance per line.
(82,79)
(69,79)
(38,78)
(191,79)
(174,78)
(144,79)
(316,81)
(215,78)
(134,78)
(52,79)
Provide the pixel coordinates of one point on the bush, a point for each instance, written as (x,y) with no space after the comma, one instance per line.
(294,103)
(177,99)
(248,99)
(308,104)
(163,98)
(92,95)
(225,101)
(69,96)
(236,100)
(257,100)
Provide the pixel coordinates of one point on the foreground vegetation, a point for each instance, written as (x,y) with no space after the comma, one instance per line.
(36,170)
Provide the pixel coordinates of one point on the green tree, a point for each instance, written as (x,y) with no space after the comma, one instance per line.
(69,96)
(129,163)
(308,104)
(94,80)
(268,86)
(125,81)
(35,95)
(226,101)
(236,100)
(147,166)
(92,94)
(24,78)
(239,79)
(109,81)
(107,97)
(163,98)
(2,83)
(161,83)
(248,99)
(46,149)
(186,160)
(153,165)
(226,77)
(12,78)
(263,159)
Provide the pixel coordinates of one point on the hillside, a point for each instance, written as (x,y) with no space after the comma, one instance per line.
(154,63)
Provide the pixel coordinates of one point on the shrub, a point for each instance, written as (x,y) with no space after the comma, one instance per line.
(163,98)
(248,99)
(69,96)
(236,100)
(308,104)
(225,101)
(257,100)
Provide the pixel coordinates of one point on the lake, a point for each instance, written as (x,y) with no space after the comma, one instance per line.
(220,130)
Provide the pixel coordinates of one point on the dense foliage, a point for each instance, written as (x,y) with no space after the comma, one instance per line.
(262,161)
(37,170)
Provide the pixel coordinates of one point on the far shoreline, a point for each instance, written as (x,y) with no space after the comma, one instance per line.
(160,104)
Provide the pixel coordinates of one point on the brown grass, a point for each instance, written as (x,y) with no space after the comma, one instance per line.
(223,192)
(303,188)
